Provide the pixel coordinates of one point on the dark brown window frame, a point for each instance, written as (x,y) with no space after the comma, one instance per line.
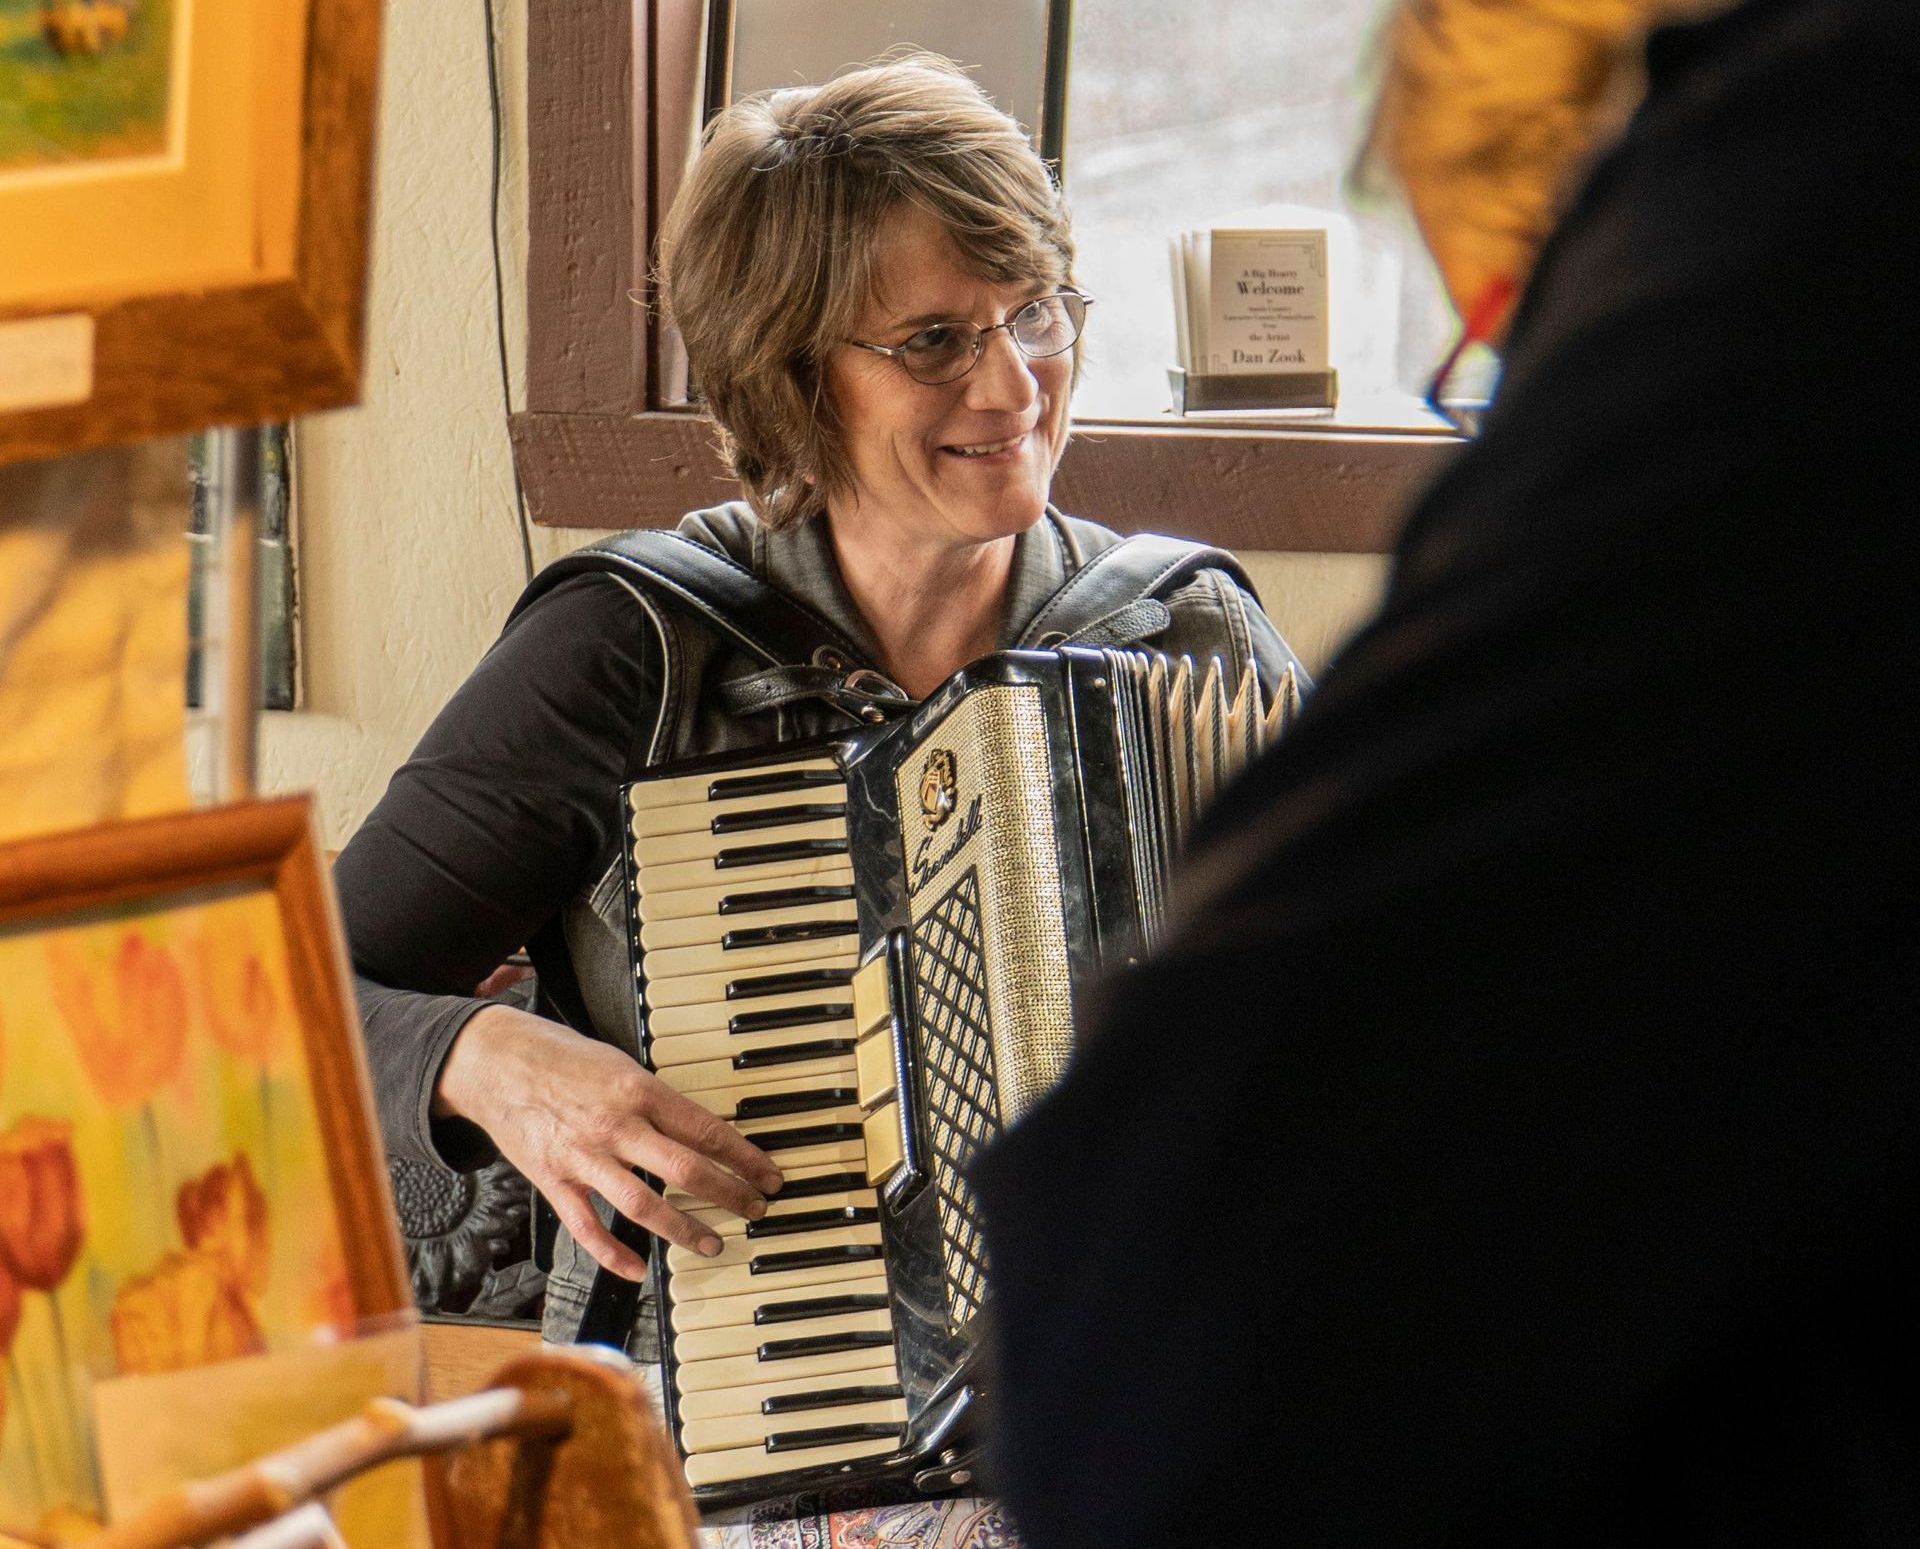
(610,88)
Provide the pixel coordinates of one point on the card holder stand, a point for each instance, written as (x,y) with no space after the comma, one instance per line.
(1195,394)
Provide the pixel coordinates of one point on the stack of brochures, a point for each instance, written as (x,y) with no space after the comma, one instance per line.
(1250,308)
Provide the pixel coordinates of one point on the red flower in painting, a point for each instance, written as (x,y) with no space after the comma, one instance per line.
(224,1213)
(238,994)
(9,1312)
(41,1223)
(9,1322)
(131,1053)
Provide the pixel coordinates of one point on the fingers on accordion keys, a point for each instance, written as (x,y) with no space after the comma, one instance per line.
(785,1133)
(761,1260)
(818,1178)
(783,1213)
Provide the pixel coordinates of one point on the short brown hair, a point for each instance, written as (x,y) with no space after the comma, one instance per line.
(767,256)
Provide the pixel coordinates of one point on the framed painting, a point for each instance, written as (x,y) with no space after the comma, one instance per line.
(185,187)
(189,1170)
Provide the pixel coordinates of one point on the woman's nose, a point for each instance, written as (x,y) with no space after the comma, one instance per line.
(1003,377)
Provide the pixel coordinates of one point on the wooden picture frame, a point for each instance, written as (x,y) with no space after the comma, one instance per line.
(219,280)
(189,1167)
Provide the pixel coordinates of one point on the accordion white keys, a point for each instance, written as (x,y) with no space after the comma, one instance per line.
(865,952)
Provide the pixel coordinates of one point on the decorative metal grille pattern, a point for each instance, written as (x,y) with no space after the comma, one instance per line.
(962,1112)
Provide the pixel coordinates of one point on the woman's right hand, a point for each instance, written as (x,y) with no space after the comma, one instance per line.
(577,1116)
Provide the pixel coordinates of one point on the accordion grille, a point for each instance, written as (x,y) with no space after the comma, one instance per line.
(994,1004)
(961,1111)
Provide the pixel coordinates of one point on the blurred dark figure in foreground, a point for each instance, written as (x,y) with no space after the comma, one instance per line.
(1519,1141)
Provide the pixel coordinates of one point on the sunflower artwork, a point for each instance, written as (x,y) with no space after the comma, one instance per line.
(164,1202)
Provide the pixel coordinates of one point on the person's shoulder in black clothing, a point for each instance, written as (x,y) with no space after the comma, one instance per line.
(1513,1143)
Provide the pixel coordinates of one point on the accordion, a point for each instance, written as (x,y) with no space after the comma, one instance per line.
(864,951)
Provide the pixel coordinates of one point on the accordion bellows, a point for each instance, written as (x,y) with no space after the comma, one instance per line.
(865,952)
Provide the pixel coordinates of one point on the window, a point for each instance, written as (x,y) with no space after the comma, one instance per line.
(1190,113)
(610,91)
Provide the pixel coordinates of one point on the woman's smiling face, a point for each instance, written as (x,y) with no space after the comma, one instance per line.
(963,462)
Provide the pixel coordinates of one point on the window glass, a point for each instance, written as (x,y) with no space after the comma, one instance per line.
(1194,113)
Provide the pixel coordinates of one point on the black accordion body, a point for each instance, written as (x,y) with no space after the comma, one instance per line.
(865,951)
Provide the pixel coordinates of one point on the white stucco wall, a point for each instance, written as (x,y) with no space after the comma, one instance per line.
(408,552)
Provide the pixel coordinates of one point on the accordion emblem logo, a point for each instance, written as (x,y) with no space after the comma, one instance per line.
(939,787)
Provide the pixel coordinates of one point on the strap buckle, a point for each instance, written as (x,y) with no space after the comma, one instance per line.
(871,684)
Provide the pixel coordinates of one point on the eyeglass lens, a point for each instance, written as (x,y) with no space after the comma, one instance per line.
(1045,326)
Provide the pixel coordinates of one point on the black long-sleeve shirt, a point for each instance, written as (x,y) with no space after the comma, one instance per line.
(508,812)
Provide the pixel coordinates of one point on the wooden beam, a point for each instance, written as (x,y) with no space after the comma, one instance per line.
(585,205)
(1300,491)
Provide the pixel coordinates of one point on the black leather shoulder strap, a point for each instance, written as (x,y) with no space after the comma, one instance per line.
(1147,565)
(781,630)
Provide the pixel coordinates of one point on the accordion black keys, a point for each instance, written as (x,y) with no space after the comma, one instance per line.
(864,951)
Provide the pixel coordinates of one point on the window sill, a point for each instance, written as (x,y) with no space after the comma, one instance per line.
(1261,482)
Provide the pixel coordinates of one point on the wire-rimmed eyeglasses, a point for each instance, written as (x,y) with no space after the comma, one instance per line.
(945,352)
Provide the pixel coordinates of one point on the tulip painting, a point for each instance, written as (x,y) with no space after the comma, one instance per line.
(165,1196)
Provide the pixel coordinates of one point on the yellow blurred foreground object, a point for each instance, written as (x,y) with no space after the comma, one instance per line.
(93,640)
(562,1450)
(615,1482)
(181,1449)
(1488,111)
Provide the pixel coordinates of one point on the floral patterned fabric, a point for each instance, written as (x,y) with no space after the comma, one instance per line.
(963,1523)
